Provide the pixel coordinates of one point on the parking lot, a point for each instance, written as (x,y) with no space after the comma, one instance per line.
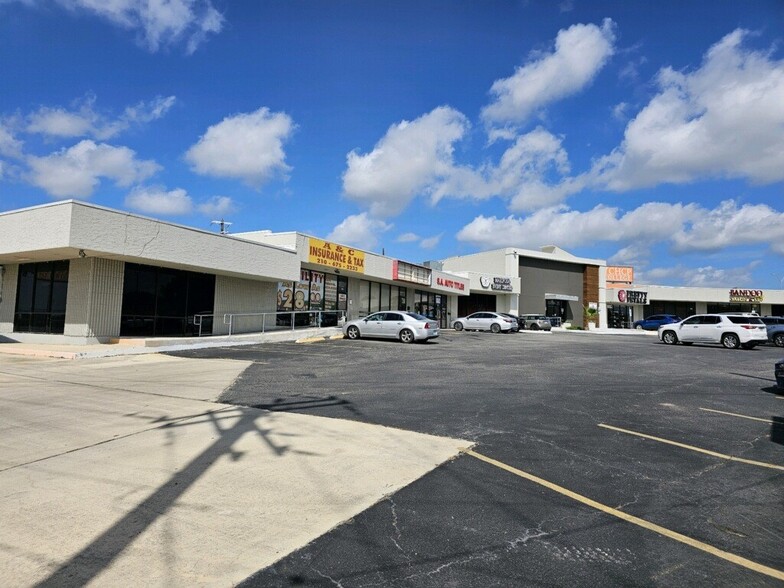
(597,460)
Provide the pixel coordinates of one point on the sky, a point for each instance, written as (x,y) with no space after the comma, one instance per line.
(644,133)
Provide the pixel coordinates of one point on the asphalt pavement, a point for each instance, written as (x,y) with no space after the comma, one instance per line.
(598,460)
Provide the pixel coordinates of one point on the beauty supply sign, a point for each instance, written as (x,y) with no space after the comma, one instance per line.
(336,256)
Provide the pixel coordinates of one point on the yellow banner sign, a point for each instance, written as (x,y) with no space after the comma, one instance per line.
(337,256)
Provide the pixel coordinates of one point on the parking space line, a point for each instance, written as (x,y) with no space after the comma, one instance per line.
(740,416)
(761,464)
(705,547)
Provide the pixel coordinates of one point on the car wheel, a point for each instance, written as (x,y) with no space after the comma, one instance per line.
(495,328)
(778,339)
(407,336)
(730,341)
(534,327)
(669,337)
(458,326)
(352,332)
(638,327)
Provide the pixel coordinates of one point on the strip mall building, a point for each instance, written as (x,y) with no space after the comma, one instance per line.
(79,273)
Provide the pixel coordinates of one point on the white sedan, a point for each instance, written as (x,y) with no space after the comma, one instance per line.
(404,326)
(485,321)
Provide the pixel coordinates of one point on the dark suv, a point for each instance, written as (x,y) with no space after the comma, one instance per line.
(775,327)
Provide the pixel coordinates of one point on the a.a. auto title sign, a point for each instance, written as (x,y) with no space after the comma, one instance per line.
(452,284)
(632,297)
(746,295)
(337,256)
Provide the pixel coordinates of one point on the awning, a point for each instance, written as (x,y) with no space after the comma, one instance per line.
(551,296)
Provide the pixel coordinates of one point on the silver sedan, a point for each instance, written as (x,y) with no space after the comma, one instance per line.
(485,321)
(404,326)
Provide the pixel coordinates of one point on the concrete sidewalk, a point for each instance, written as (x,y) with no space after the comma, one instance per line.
(123,471)
(141,346)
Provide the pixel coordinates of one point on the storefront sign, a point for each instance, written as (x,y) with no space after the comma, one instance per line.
(746,295)
(337,256)
(632,297)
(501,284)
(620,273)
(450,284)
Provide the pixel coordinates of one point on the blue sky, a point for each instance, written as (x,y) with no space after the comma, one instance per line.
(647,134)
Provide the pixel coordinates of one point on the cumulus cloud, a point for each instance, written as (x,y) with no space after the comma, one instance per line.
(157,200)
(408,238)
(75,172)
(729,224)
(705,276)
(82,120)
(217,206)
(157,23)
(412,158)
(529,175)
(245,146)
(684,228)
(431,242)
(359,230)
(10,146)
(723,120)
(580,53)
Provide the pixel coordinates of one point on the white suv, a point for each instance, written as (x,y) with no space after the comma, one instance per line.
(731,330)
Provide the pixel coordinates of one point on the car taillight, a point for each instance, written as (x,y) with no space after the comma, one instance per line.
(427,325)
(749,327)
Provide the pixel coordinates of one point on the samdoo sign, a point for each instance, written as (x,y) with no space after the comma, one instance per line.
(746,295)
(337,256)
(632,297)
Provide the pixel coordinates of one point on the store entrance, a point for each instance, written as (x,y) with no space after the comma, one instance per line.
(619,316)
(432,306)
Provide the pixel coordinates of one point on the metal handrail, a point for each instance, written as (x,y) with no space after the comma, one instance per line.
(229,318)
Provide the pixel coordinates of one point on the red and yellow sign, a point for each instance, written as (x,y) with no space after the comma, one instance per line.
(337,256)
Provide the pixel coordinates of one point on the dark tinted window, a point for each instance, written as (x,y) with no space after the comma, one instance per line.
(694,320)
(746,320)
(393,316)
(711,320)
(41,295)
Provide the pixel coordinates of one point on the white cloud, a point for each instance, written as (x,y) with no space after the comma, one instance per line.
(523,175)
(217,206)
(723,120)
(408,238)
(158,22)
(728,224)
(75,172)
(359,230)
(430,242)
(705,277)
(83,120)
(156,200)
(246,146)
(580,53)
(10,146)
(412,158)
(685,228)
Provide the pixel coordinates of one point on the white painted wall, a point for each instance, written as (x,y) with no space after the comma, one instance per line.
(8,281)
(94,303)
(234,295)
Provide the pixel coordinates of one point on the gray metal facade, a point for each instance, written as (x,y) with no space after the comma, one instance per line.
(541,276)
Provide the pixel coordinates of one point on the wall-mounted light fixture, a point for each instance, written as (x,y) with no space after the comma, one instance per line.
(337,271)
(82,254)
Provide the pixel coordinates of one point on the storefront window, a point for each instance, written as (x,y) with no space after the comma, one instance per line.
(41,296)
(619,316)
(717,307)
(161,301)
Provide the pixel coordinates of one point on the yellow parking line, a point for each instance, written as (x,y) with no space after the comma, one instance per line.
(740,416)
(725,555)
(761,464)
